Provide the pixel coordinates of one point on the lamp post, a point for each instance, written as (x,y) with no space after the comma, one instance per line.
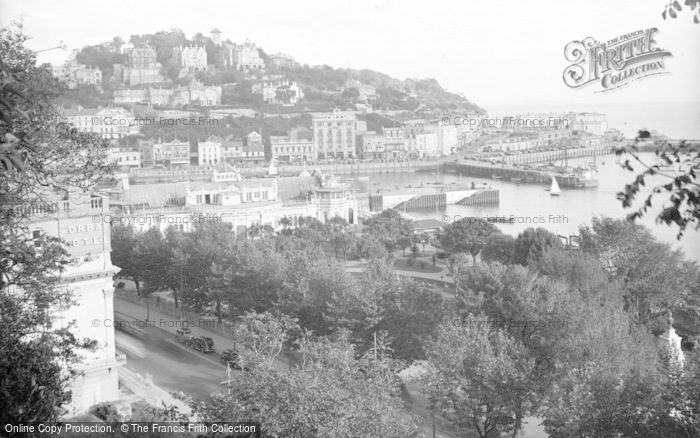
(61,46)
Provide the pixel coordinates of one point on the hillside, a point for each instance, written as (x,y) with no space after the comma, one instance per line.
(323,86)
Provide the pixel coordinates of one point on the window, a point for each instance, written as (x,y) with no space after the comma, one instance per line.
(36,236)
(249,196)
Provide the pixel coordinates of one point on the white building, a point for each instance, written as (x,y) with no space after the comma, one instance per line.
(124,157)
(517,141)
(279,92)
(334,135)
(190,59)
(243,56)
(240,203)
(174,153)
(71,216)
(209,151)
(396,143)
(446,139)
(73,73)
(297,145)
(371,145)
(109,123)
(592,123)
(425,144)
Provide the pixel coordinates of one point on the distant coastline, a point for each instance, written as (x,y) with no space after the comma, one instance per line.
(677,120)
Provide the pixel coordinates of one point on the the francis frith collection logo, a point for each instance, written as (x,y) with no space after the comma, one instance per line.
(615,63)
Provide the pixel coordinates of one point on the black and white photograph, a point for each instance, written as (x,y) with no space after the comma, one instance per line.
(335,219)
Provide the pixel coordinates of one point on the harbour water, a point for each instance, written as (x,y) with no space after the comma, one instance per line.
(532,206)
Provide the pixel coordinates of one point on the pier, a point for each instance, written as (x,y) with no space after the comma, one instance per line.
(533,176)
(347,169)
(430,198)
(547,156)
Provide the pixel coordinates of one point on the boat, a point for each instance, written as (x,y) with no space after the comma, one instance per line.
(516,179)
(554,190)
(363,178)
(494,176)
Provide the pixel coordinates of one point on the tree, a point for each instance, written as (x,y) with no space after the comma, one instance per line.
(263,336)
(313,231)
(368,247)
(154,258)
(330,393)
(387,227)
(285,94)
(403,242)
(467,236)
(342,242)
(101,57)
(351,94)
(655,277)
(124,242)
(499,247)
(41,156)
(682,191)
(247,276)
(674,6)
(478,377)
(256,231)
(411,314)
(532,243)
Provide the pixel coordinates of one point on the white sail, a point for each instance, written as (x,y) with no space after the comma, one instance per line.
(554,190)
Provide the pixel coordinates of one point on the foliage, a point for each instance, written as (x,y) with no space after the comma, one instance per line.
(674,6)
(682,204)
(351,94)
(264,336)
(102,57)
(124,241)
(163,41)
(532,243)
(656,279)
(41,157)
(330,394)
(384,301)
(467,235)
(498,247)
(368,247)
(478,377)
(388,227)
(656,403)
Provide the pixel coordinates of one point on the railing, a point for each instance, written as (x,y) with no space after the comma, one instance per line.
(116,361)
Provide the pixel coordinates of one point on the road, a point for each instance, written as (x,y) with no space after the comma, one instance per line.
(175,367)
(172,366)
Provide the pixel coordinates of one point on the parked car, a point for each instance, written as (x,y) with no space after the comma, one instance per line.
(183,335)
(203,344)
(231,357)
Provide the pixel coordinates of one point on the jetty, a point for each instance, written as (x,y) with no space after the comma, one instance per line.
(426,198)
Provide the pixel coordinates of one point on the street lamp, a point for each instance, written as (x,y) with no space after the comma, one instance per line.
(61,46)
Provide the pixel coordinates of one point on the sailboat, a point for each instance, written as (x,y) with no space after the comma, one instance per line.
(554,190)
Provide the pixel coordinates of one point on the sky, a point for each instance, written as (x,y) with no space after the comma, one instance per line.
(496,53)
